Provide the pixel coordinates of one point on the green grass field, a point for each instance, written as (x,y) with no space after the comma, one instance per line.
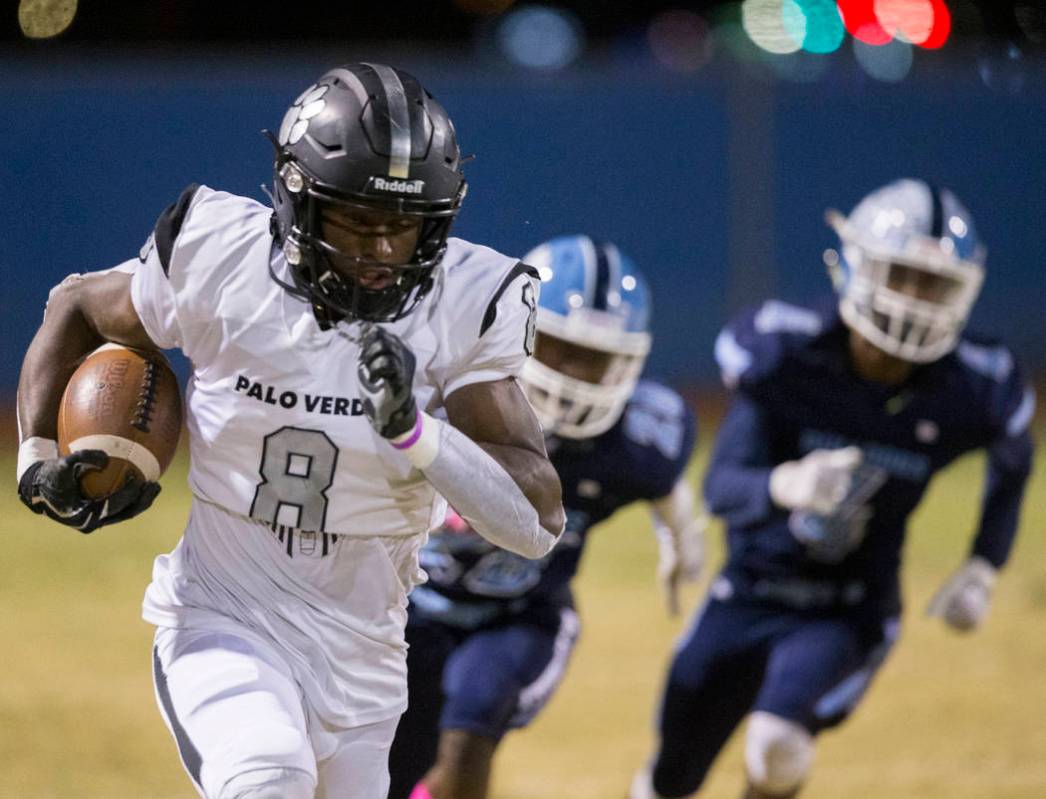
(949,717)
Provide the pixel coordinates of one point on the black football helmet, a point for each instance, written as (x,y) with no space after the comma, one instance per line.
(370,137)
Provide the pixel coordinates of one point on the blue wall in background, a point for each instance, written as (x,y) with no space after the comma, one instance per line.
(93,150)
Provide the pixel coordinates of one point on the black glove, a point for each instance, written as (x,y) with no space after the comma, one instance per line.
(386,372)
(53,487)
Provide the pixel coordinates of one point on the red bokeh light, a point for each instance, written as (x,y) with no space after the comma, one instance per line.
(926,23)
(861,22)
(907,20)
(942,26)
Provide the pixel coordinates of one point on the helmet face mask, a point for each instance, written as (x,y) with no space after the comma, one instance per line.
(578,391)
(910,271)
(592,336)
(365,143)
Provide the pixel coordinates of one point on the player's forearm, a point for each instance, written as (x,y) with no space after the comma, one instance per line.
(739,495)
(1009,465)
(62,340)
(83,312)
(480,489)
(737,485)
(676,513)
(536,478)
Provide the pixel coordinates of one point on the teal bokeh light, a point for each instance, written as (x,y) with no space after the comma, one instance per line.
(824,25)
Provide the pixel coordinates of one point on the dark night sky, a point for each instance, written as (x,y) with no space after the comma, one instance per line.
(421,20)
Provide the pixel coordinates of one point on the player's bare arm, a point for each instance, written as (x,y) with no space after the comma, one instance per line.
(475,483)
(83,312)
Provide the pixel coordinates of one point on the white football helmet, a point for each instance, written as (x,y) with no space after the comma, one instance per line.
(592,335)
(910,269)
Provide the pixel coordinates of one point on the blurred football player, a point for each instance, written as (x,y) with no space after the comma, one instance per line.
(840,416)
(490,634)
(324,333)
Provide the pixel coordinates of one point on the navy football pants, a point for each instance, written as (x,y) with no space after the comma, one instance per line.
(486,681)
(811,668)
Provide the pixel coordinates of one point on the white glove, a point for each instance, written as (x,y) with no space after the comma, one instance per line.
(817,483)
(964,599)
(681,542)
(680,559)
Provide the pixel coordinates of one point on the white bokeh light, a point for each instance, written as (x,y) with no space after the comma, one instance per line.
(541,37)
(777,26)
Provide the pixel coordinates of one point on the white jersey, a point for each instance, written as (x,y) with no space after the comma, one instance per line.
(298,503)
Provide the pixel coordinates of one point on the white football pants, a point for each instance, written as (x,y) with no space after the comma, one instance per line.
(237,717)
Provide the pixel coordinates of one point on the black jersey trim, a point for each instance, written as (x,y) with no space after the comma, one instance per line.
(170,224)
(188,752)
(492,308)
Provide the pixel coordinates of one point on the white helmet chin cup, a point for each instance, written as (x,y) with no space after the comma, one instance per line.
(574,408)
(910,270)
(595,300)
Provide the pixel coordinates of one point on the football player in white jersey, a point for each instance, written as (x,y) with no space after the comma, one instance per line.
(353,369)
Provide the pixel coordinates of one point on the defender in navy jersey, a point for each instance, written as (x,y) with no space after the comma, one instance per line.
(841,414)
(490,633)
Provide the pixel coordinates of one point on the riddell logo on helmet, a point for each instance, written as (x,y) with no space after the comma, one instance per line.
(398,186)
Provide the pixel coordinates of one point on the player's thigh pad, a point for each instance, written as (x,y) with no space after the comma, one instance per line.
(233,709)
(500,678)
(778,753)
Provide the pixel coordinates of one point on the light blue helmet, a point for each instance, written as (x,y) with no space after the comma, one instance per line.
(910,269)
(593,335)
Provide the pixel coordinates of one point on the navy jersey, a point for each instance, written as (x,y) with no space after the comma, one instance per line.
(794,392)
(471,582)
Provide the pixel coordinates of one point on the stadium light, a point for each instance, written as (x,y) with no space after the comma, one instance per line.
(889,62)
(926,23)
(861,22)
(908,20)
(942,26)
(824,26)
(777,26)
(541,37)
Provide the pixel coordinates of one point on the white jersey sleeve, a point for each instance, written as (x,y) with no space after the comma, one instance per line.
(185,264)
(490,304)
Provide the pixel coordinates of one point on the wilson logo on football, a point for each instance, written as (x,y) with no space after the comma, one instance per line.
(397,186)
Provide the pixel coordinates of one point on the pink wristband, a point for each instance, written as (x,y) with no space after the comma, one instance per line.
(412,439)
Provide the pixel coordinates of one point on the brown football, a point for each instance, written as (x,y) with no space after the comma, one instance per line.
(127,403)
